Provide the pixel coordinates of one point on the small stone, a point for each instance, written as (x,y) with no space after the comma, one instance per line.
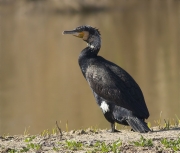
(82,132)
(72,132)
(90,143)
(89,130)
(45,148)
(79,132)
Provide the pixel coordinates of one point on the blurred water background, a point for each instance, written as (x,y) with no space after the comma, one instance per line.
(40,79)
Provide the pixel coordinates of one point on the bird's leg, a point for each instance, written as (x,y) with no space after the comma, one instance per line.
(113,128)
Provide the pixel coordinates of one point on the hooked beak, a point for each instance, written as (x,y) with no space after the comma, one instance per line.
(74,33)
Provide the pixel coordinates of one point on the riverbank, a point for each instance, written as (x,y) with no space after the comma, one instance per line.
(94,140)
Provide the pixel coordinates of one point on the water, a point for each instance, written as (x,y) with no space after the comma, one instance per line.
(40,79)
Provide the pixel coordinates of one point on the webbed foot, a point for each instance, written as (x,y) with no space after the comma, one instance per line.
(111,131)
(132,130)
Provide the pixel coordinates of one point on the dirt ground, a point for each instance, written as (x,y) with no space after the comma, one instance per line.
(89,141)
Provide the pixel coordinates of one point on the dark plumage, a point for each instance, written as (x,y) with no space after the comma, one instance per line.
(115,91)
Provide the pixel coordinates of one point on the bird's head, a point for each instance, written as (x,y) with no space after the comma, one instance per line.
(89,34)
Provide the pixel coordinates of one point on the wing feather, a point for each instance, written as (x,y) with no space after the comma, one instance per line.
(112,83)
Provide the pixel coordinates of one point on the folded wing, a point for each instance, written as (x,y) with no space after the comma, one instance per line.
(114,84)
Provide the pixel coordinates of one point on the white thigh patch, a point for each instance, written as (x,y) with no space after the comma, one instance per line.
(105,107)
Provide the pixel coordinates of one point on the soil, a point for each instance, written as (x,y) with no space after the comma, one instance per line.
(88,138)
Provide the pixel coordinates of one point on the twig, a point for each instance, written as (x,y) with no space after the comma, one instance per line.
(60,132)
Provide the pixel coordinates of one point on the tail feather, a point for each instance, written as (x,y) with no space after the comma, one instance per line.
(138,125)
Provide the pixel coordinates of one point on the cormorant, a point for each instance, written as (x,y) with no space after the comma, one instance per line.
(115,91)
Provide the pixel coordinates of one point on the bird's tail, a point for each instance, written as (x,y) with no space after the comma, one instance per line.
(138,125)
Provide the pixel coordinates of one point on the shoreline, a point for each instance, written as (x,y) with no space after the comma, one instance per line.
(94,140)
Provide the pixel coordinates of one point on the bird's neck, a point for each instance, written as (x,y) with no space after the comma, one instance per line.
(85,56)
(91,51)
(94,43)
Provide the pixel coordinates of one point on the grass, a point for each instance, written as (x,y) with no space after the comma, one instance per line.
(97,147)
(178,120)
(142,142)
(67,129)
(29,139)
(168,123)
(30,145)
(26,131)
(158,122)
(173,144)
(45,133)
(103,147)
(94,129)
(73,145)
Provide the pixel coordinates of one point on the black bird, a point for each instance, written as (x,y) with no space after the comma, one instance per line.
(115,91)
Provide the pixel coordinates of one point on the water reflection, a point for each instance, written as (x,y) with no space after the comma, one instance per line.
(40,79)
